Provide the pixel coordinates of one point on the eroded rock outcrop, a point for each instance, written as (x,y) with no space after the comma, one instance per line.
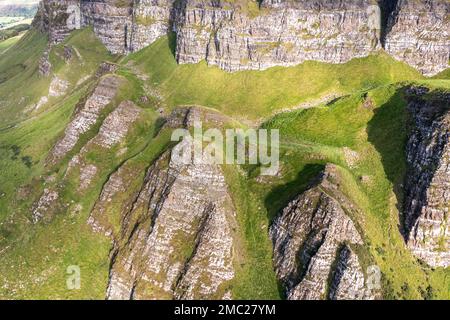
(313,241)
(112,132)
(58,18)
(151,20)
(418,34)
(427,184)
(46,203)
(176,237)
(247,34)
(240,35)
(111,20)
(85,117)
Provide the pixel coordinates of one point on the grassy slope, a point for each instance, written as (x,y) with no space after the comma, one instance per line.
(36,264)
(8,43)
(255,94)
(310,140)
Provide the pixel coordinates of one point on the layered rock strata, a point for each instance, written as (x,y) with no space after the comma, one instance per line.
(427,183)
(239,35)
(86,117)
(243,35)
(314,240)
(176,236)
(111,20)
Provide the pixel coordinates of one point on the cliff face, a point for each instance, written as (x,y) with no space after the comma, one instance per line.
(111,20)
(427,185)
(243,35)
(418,34)
(176,236)
(313,241)
(151,20)
(239,35)
(58,18)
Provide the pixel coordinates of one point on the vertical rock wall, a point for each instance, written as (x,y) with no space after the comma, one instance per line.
(248,35)
(427,185)
(419,34)
(240,35)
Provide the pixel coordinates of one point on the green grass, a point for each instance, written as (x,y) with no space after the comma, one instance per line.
(369,118)
(44,251)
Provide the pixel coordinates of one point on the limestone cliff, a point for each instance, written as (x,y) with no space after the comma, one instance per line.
(58,18)
(111,20)
(314,240)
(418,34)
(246,34)
(176,237)
(427,184)
(151,20)
(240,35)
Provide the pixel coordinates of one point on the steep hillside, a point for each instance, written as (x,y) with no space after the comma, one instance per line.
(256,35)
(357,209)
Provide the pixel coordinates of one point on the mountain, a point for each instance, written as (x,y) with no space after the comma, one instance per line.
(247,35)
(357,208)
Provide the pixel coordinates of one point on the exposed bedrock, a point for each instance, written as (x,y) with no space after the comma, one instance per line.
(427,183)
(85,117)
(176,237)
(111,20)
(58,18)
(113,131)
(314,243)
(243,35)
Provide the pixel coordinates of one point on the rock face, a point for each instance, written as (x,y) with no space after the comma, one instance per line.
(419,34)
(86,117)
(58,18)
(176,233)
(117,124)
(112,132)
(246,34)
(239,35)
(151,20)
(427,185)
(313,239)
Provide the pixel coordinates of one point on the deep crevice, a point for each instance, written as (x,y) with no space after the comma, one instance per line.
(389,12)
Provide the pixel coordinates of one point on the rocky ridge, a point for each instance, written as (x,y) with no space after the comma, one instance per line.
(427,183)
(314,242)
(112,132)
(419,34)
(246,35)
(176,233)
(85,117)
